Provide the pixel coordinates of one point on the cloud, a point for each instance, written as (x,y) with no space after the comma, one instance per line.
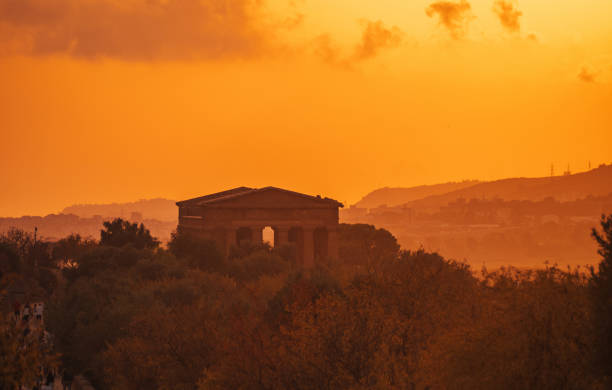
(135,29)
(376,37)
(586,75)
(508,15)
(326,49)
(292,22)
(453,16)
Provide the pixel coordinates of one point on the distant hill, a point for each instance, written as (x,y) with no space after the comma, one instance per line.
(396,196)
(159,209)
(518,221)
(55,226)
(596,182)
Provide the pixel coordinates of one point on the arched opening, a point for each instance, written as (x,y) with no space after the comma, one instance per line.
(268,236)
(296,238)
(244,235)
(320,239)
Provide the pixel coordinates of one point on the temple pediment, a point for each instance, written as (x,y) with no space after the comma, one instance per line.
(267,197)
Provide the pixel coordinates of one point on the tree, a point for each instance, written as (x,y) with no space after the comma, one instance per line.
(601,295)
(525,329)
(32,253)
(176,336)
(366,245)
(19,240)
(30,259)
(21,354)
(300,290)
(256,265)
(198,252)
(89,314)
(66,250)
(334,343)
(119,232)
(9,259)
(167,347)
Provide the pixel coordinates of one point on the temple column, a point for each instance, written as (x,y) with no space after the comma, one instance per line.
(206,234)
(230,239)
(281,236)
(332,243)
(256,235)
(308,247)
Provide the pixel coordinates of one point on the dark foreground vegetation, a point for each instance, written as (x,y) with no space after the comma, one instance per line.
(131,315)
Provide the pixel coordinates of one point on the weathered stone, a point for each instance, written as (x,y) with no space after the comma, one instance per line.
(239,215)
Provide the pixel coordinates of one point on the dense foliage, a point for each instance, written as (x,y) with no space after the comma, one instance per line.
(23,352)
(21,355)
(601,291)
(138,316)
(119,232)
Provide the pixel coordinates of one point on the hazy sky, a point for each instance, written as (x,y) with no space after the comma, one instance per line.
(116,100)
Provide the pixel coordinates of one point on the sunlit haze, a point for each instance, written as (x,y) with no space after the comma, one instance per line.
(306,194)
(331,97)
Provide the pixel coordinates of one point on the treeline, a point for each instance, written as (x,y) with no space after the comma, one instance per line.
(56,226)
(527,246)
(498,232)
(487,211)
(516,212)
(131,315)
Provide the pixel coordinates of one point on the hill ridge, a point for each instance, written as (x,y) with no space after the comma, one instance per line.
(595,182)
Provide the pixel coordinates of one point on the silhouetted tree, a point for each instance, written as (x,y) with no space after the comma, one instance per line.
(256,265)
(28,258)
(19,240)
(9,259)
(198,252)
(300,289)
(32,253)
(601,290)
(365,245)
(69,248)
(21,356)
(137,318)
(522,329)
(39,255)
(119,232)
(104,260)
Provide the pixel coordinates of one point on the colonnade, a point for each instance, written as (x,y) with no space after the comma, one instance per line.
(303,237)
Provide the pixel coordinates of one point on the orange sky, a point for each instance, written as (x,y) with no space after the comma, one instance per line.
(108,100)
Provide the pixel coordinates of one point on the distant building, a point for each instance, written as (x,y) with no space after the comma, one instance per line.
(239,215)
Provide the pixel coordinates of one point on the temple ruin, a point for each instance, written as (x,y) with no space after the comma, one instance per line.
(238,216)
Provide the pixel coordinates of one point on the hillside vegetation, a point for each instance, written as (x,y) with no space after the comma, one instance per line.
(159,209)
(129,314)
(522,221)
(397,196)
(595,182)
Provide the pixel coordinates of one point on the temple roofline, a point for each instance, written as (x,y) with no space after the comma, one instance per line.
(242,191)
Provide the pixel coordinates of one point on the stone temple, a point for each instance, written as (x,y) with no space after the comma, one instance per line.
(239,215)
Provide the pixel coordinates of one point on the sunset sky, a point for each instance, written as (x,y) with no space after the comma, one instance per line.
(117,100)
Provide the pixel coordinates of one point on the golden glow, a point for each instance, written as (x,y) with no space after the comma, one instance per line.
(492,104)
